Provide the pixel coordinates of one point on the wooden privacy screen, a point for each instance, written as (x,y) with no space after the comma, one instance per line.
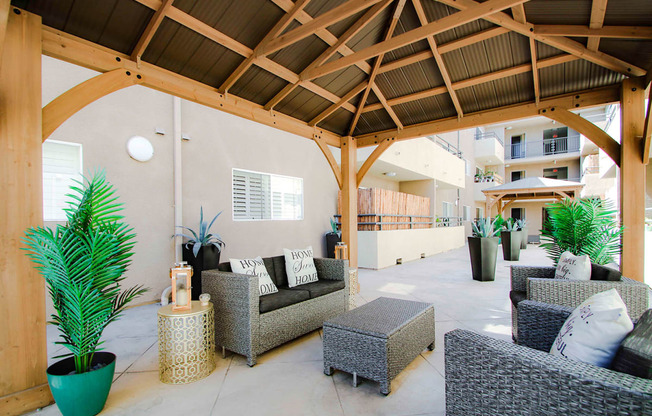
(390,210)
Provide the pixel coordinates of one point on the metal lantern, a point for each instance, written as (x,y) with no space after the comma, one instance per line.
(181,275)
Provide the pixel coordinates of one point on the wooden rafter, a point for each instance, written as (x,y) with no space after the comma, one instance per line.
(620,32)
(378,151)
(374,70)
(386,106)
(150,30)
(562,43)
(332,108)
(480,79)
(598,10)
(576,100)
(278,28)
(440,61)
(351,32)
(519,15)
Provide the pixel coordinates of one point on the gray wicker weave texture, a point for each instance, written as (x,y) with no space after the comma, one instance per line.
(489,377)
(379,339)
(540,323)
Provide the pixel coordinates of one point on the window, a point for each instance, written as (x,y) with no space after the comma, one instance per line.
(518,213)
(263,196)
(479,213)
(518,174)
(468,168)
(62,163)
(556,173)
(466,214)
(447,209)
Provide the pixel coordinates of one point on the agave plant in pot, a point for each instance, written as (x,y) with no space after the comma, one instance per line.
(201,250)
(83,263)
(483,248)
(511,238)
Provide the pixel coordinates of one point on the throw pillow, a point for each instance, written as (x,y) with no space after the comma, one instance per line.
(594,331)
(300,266)
(635,354)
(572,267)
(255,267)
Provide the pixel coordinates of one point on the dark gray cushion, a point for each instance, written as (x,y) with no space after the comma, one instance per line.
(599,272)
(269,265)
(279,277)
(516,296)
(281,299)
(321,287)
(635,354)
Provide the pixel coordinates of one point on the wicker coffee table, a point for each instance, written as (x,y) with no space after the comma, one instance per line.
(379,339)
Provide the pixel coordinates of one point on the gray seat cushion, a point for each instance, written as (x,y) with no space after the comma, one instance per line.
(321,287)
(516,296)
(284,297)
(635,354)
(280,276)
(599,272)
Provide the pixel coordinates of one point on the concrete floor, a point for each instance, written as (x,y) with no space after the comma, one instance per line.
(289,379)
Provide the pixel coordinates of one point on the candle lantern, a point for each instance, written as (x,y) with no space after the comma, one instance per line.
(181,275)
(341,251)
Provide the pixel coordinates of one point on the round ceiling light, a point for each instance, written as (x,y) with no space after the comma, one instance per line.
(140,149)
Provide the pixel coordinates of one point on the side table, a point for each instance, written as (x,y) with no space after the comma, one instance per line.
(186,343)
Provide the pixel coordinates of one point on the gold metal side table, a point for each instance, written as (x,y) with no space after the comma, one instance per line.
(186,343)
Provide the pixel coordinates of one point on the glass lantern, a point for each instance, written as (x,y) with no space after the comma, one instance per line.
(181,275)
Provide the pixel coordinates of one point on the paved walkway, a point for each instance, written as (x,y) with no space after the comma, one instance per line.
(289,379)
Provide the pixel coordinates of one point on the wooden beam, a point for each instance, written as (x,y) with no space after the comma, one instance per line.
(518,12)
(5,6)
(415,35)
(378,151)
(423,20)
(598,11)
(64,106)
(348,96)
(350,33)
(72,49)
(329,158)
(324,20)
(278,28)
(386,106)
(577,100)
(519,15)
(374,70)
(480,79)
(23,344)
(592,132)
(632,179)
(150,30)
(562,43)
(350,198)
(647,131)
(618,32)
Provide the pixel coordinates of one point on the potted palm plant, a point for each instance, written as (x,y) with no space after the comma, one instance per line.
(483,248)
(522,225)
(201,250)
(333,237)
(511,240)
(582,226)
(83,263)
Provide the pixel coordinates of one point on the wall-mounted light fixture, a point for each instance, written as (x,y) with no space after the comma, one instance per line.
(159,130)
(390,174)
(140,149)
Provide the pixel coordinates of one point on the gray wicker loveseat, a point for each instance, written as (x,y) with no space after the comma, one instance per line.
(490,377)
(249,324)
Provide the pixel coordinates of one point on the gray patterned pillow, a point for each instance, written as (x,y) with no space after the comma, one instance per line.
(635,354)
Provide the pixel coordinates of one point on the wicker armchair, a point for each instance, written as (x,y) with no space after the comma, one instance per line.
(539,284)
(486,376)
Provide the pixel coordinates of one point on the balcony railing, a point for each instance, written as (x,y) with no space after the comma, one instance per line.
(591,169)
(492,177)
(558,145)
(383,222)
(488,135)
(446,146)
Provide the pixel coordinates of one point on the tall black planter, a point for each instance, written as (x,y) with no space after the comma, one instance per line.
(524,239)
(483,251)
(511,245)
(331,241)
(208,258)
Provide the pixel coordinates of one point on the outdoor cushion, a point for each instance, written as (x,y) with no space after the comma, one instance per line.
(255,267)
(281,299)
(572,267)
(599,272)
(279,276)
(516,296)
(635,354)
(321,287)
(300,266)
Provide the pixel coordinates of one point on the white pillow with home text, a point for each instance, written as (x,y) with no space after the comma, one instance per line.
(300,266)
(255,267)
(572,267)
(594,331)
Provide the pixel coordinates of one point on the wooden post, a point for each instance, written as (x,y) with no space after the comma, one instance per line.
(632,178)
(349,150)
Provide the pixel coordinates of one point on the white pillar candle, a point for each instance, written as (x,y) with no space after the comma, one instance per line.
(182,297)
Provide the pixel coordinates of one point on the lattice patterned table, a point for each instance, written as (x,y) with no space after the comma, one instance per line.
(186,343)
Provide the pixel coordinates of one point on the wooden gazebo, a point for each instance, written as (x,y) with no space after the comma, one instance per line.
(346,74)
(528,189)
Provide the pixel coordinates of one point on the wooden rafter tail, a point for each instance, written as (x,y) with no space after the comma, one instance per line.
(150,30)
(440,61)
(449,22)
(374,70)
(329,157)
(378,151)
(598,11)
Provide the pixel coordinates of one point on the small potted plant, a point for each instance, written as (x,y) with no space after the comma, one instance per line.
(483,248)
(333,237)
(522,225)
(201,250)
(83,263)
(511,240)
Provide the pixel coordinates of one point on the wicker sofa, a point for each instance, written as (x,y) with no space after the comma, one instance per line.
(249,324)
(490,377)
(539,284)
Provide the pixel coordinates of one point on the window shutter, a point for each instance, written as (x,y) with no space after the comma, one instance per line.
(262,196)
(62,164)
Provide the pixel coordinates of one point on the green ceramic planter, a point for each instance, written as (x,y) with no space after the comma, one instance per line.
(81,394)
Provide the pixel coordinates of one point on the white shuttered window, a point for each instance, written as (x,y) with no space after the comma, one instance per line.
(263,196)
(62,163)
